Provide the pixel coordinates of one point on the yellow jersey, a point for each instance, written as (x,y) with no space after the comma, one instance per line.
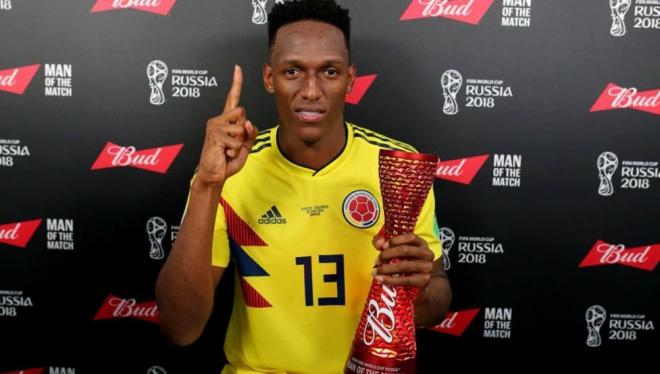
(301,243)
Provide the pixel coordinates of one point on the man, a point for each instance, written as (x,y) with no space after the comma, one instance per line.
(298,209)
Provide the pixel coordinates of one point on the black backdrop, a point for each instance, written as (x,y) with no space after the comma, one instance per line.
(526,100)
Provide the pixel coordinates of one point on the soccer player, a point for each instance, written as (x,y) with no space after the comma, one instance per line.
(298,209)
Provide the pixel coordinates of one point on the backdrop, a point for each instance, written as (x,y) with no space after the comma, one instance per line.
(544,115)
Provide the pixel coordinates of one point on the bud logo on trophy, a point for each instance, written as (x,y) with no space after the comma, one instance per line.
(385,339)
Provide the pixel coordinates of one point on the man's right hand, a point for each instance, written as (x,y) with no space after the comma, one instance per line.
(228,141)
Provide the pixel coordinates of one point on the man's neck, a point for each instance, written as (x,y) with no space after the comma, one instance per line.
(312,155)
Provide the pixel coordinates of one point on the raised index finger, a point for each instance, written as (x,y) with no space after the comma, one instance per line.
(234,94)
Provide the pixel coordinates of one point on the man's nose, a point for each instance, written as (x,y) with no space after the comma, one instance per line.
(310,90)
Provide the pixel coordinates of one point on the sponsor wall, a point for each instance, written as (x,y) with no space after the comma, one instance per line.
(545,115)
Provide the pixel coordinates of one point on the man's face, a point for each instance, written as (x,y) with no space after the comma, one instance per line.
(310,75)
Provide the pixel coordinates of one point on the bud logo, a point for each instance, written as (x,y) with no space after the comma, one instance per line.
(460,170)
(18,234)
(115,307)
(616,97)
(455,323)
(161,7)
(645,257)
(153,159)
(468,11)
(360,87)
(16,80)
(51,370)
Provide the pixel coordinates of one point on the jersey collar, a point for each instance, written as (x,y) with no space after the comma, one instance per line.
(305,171)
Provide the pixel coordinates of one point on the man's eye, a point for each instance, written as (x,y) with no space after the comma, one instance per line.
(331,72)
(291,71)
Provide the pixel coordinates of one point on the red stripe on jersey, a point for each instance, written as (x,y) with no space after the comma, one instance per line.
(252,297)
(238,230)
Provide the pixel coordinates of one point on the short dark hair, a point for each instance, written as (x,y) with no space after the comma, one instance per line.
(327,11)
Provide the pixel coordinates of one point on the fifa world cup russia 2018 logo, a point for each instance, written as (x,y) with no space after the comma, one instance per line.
(451,82)
(447,238)
(156,229)
(595,318)
(607,163)
(361,209)
(259,13)
(619,9)
(157,74)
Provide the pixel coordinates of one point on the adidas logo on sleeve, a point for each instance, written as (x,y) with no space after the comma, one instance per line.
(272,217)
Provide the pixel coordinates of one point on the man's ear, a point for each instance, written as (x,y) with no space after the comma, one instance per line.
(352,72)
(268,78)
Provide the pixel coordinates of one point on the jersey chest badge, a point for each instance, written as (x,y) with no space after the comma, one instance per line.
(361,209)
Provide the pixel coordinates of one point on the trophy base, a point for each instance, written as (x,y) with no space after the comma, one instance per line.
(364,360)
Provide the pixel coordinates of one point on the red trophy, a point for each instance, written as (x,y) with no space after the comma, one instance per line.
(385,339)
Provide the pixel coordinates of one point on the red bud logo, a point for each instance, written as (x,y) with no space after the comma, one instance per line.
(644,257)
(360,87)
(161,7)
(153,159)
(468,11)
(16,80)
(115,307)
(460,170)
(455,323)
(18,234)
(616,97)
(26,371)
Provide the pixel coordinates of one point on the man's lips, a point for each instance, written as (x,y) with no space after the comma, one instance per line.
(309,115)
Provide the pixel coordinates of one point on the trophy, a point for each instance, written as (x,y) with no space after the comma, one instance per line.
(156,74)
(595,317)
(385,339)
(451,82)
(156,230)
(606,163)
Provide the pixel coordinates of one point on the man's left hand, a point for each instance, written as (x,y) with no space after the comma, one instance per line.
(415,265)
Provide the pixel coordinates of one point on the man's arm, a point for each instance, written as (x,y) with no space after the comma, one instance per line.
(419,271)
(186,284)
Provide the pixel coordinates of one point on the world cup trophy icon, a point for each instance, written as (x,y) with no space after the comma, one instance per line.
(447,239)
(606,163)
(156,229)
(619,9)
(156,74)
(595,317)
(385,338)
(451,82)
(259,14)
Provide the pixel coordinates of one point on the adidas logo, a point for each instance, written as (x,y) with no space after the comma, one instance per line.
(272,216)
